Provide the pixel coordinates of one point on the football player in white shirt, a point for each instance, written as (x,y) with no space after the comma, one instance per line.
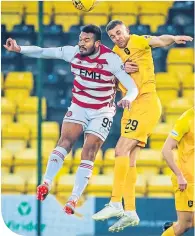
(96,69)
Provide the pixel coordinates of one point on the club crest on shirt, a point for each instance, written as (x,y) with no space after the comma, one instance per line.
(79,62)
(68,113)
(127,51)
(99,66)
(190,203)
(174,133)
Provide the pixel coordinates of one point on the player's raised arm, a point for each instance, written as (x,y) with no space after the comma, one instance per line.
(117,68)
(166,40)
(65,53)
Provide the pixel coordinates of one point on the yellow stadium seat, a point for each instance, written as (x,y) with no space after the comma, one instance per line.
(2,81)
(109,157)
(98,19)
(154,7)
(127,19)
(6,158)
(26,157)
(4,170)
(14,137)
(123,8)
(159,135)
(18,86)
(181,55)
(100,185)
(8,109)
(167,86)
(149,157)
(11,183)
(180,68)
(28,111)
(67,20)
(50,131)
(175,109)
(65,183)
(188,86)
(26,171)
(32,19)
(47,145)
(64,7)
(160,195)
(167,171)
(11,6)
(148,170)
(141,185)
(160,184)
(15,20)
(153,20)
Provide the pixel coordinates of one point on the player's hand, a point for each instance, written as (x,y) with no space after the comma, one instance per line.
(182,39)
(11,45)
(124,104)
(131,67)
(182,183)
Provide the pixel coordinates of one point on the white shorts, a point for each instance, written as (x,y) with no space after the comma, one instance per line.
(97,122)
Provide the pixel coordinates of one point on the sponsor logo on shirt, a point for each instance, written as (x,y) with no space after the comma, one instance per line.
(99,66)
(190,203)
(90,74)
(174,133)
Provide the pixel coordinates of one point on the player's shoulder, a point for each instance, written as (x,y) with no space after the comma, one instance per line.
(108,53)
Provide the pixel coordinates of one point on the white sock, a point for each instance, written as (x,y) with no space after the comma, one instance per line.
(54,164)
(117,205)
(83,174)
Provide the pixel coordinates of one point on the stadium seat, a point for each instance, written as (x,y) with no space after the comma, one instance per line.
(26,171)
(2,81)
(153,20)
(13,7)
(65,183)
(167,87)
(188,86)
(20,83)
(50,131)
(160,195)
(11,183)
(159,135)
(109,157)
(175,109)
(100,185)
(159,184)
(16,18)
(140,29)
(154,7)
(159,57)
(6,158)
(26,157)
(140,187)
(180,60)
(14,137)
(149,157)
(169,29)
(28,111)
(8,110)
(66,20)
(189,30)
(181,13)
(10,61)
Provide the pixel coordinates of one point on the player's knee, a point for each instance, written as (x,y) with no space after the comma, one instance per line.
(89,153)
(65,143)
(122,151)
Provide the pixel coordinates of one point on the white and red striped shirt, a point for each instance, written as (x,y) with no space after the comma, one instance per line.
(94,85)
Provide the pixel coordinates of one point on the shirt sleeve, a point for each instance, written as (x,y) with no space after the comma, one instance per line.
(180,128)
(145,41)
(117,68)
(65,53)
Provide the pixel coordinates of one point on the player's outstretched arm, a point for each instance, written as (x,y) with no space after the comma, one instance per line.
(168,155)
(65,53)
(166,40)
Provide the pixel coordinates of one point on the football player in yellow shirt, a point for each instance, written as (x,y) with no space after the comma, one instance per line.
(138,122)
(182,137)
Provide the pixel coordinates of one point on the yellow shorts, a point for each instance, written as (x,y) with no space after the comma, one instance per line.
(139,122)
(184,201)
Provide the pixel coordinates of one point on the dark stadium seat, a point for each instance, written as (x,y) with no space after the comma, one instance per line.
(140,29)
(169,29)
(159,58)
(61,68)
(182,13)
(10,61)
(23,34)
(73,38)
(75,29)
(52,29)
(189,30)
(103,28)
(3,34)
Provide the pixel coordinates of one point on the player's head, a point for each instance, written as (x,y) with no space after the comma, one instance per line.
(89,40)
(118,33)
